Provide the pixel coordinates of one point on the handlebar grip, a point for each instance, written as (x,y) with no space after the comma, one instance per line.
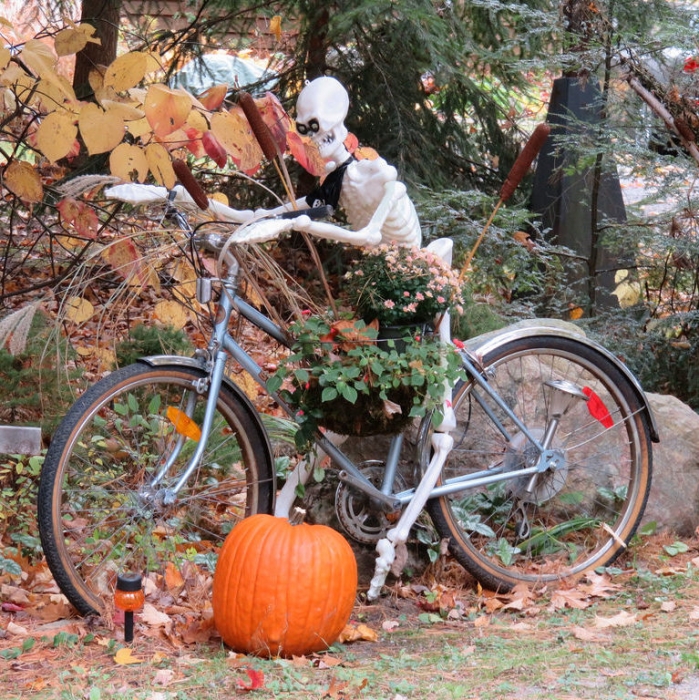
(323,212)
(189,182)
(259,128)
(524,160)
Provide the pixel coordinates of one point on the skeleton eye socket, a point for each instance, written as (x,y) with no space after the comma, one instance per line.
(304,129)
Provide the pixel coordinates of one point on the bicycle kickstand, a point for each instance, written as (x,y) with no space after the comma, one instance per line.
(398,536)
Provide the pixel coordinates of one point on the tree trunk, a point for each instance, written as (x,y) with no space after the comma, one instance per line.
(104,16)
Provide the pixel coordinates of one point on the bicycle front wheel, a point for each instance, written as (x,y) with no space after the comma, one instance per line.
(582,511)
(103,512)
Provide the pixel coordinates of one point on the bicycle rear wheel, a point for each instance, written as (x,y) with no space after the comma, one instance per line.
(101,514)
(572,518)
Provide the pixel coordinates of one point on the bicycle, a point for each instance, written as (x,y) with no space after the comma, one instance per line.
(546,478)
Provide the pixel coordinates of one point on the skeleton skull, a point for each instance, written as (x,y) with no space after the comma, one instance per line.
(321,110)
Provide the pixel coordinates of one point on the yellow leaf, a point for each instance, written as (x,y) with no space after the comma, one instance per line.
(361,632)
(166,109)
(183,424)
(129,163)
(101,131)
(171,313)
(160,165)
(219,197)
(197,121)
(153,62)
(125,656)
(248,385)
(53,94)
(127,111)
(56,135)
(17,79)
(42,61)
(126,71)
(38,56)
(139,127)
(186,287)
(23,181)
(275,26)
(73,39)
(78,310)
(234,133)
(96,80)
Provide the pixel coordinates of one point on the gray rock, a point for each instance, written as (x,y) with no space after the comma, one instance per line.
(674,498)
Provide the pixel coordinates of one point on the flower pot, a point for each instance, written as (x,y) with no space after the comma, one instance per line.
(397,335)
(368,415)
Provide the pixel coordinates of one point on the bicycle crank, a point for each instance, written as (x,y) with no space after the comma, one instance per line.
(358,515)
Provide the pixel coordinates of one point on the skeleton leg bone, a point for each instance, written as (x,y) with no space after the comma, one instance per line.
(443,247)
(299,477)
(398,536)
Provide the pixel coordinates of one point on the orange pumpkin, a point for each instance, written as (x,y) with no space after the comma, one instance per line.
(281,589)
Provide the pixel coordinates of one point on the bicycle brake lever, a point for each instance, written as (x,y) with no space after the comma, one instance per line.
(323,212)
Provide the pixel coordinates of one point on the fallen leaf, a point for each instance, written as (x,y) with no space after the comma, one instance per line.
(154,617)
(622,619)
(16,630)
(78,310)
(587,635)
(125,657)
(171,313)
(360,633)
(257,680)
(569,598)
(164,676)
(337,689)
(668,606)
(173,578)
(520,598)
(599,585)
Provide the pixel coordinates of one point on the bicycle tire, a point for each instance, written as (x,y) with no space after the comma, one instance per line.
(98,518)
(577,517)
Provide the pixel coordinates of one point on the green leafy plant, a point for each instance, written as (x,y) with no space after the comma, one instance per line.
(400,284)
(151,340)
(346,381)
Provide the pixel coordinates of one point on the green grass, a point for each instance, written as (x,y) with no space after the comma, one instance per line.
(469,649)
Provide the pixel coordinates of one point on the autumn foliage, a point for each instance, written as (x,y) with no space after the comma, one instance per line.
(140,122)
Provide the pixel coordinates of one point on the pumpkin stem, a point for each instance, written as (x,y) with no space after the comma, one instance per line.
(297,516)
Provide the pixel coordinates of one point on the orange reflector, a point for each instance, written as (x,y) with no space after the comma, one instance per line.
(184,425)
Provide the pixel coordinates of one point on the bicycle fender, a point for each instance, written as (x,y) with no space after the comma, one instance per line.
(480,346)
(196,363)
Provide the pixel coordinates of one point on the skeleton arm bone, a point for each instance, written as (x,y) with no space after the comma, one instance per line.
(139,194)
(393,191)
(333,232)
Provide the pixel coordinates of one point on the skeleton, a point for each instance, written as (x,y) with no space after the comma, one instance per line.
(378,210)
